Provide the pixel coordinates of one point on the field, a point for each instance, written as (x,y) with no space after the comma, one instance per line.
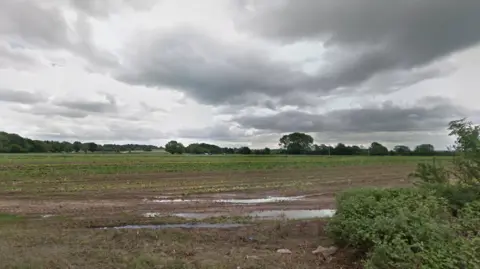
(52,206)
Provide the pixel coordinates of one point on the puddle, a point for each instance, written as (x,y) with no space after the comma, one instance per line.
(269,199)
(266,214)
(193,215)
(182,225)
(293,214)
(175,201)
(197,215)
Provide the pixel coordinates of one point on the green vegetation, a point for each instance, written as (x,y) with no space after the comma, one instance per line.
(13,143)
(4,217)
(45,166)
(291,144)
(434,225)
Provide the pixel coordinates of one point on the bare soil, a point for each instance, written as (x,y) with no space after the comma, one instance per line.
(68,238)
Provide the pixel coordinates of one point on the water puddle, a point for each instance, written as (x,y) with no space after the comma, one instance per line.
(269,199)
(182,225)
(266,214)
(293,214)
(175,201)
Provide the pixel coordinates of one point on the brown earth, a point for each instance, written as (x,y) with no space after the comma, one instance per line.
(67,239)
(319,185)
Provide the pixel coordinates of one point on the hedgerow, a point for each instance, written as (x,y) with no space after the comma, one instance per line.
(435,224)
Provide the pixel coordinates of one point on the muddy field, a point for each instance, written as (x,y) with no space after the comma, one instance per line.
(61,212)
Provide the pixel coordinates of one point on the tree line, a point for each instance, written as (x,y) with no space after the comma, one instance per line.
(294,144)
(14,143)
(303,144)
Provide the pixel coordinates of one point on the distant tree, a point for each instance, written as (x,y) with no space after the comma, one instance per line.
(402,150)
(92,147)
(296,143)
(425,150)
(14,148)
(244,150)
(342,149)
(174,147)
(267,151)
(77,146)
(378,149)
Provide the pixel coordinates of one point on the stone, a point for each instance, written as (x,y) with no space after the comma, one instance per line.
(284,251)
(325,252)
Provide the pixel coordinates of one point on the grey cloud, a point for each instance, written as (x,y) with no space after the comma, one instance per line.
(102,106)
(109,131)
(371,35)
(427,115)
(50,110)
(32,22)
(102,8)
(207,69)
(37,24)
(19,96)
(217,72)
(16,58)
(219,132)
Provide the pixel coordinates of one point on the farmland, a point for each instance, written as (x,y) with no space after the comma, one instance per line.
(50,204)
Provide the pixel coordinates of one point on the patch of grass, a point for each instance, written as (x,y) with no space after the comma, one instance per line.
(4,217)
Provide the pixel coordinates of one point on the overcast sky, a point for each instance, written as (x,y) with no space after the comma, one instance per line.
(238,72)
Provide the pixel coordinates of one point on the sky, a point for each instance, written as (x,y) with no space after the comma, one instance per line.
(239,72)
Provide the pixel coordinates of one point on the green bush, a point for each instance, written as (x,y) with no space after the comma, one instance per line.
(457,195)
(403,228)
(469,219)
(366,217)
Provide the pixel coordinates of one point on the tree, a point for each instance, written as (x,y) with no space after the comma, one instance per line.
(402,150)
(14,148)
(77,146)
(174,147)
(424,149)
(378,149)
(467,146)
(296,143)
(244,150)
(92,147)
(342,149)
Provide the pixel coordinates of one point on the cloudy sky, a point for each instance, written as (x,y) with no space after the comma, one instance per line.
(238,72)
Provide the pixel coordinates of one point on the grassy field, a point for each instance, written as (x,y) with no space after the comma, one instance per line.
(49,204)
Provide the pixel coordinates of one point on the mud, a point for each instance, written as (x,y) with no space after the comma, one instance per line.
(182,226)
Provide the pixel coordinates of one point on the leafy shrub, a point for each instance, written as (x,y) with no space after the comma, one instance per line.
(455,253)
(366,217)
(434,226)
(430,173)
(457,195)
(404,228)
(469,219)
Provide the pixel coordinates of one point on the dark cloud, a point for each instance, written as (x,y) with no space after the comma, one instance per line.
(208,69)
(19,96)
(218,72)
(426,115)
(367,37)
